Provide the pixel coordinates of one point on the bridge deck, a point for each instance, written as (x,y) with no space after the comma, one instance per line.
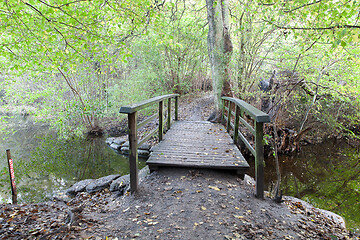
(197,144)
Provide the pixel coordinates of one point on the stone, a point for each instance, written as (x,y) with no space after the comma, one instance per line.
(101,183)
(126,144)
(119,141)
(110,140)
(249,180)
(79,187)
(121,184)
(145,147)
(144,172)
(141,153)
(115,146)
(310,208)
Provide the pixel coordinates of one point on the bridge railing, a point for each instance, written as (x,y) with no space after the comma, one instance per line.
(133,126)
(235,109)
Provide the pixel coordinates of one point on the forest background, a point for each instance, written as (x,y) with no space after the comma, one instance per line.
(74,63)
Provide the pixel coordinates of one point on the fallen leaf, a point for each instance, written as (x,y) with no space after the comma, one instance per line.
(214,188)
(203,208)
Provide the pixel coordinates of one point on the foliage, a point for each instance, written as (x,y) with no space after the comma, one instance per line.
(64,54)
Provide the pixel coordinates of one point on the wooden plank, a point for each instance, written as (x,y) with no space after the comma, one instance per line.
(152,133)
(143,123)
(198,144)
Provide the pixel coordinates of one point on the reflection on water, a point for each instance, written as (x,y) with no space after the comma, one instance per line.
(44,164)
(326,175)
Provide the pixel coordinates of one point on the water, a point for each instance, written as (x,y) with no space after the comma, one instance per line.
(326,175)
(45,165)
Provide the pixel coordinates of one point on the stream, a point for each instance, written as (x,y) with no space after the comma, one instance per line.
(46,166)
(326,175)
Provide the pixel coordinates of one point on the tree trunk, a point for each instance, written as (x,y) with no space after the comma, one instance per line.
(220,49)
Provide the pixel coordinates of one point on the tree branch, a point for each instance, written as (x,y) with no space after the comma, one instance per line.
(337,26)
(302,6)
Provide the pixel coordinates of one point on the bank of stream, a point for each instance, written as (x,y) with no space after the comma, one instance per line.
(326,175)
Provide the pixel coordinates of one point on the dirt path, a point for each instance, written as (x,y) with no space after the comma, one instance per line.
(172,204)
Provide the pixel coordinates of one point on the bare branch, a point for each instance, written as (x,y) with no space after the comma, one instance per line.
(305,5)
(337,26)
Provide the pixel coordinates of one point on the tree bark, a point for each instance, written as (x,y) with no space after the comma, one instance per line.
(219,48)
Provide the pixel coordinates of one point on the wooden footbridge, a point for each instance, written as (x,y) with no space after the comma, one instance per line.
(198,144)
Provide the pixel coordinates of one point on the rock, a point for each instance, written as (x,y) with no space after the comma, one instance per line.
(79,187)
(142,147)
(110,140)
(126,144)
(141,153)
(115,146)
(143,173)
(145,147)
(121,184)
(101,183)
(119,141)
(249,180)
(310,208)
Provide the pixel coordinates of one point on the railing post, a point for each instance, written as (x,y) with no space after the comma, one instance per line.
(176,107)
(161,126)
(223,112)
(133,157)
(237,119)
(259,160)
(228,126)
(169,114)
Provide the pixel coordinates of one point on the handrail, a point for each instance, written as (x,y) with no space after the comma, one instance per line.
(259,118)
(131,111)
(138,106)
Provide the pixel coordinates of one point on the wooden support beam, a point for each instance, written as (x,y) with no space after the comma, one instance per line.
(169,114)
(236,129)
(133,154)
(161,116)
(228,126)
(176,108)
(259,160)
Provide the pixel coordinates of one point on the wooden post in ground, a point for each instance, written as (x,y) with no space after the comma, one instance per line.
(228,125)
(176,107)
(169,114)
(236,128)
(12,177)
(223,112)
(133,154)
(161,126)
(259,160)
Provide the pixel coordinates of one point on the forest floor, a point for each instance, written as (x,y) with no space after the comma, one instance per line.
(173,204)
